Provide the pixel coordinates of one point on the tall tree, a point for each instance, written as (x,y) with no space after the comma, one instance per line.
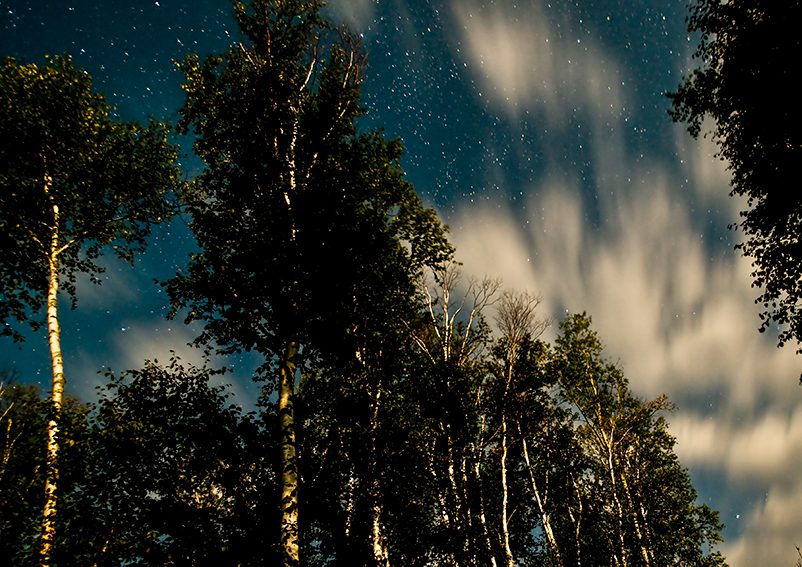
(73,181)
(294,208)
(452,336)
(519,326)
(746,64)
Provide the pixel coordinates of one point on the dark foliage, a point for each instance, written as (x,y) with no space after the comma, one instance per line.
(745,81)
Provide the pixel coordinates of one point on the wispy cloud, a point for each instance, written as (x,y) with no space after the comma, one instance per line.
(356,14)
(523,62)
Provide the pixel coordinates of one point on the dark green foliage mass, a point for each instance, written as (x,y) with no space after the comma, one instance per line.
(23,421)
(180,475)
(745,77)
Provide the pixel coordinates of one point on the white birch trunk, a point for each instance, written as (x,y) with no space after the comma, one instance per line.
(289,460)
(505,532)
(381,556)
(545,518)
(49,512)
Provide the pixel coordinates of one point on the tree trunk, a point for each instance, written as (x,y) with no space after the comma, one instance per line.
(618,507)
(505,531)
(541,505)
(57,365)
(381,556)
(482,517)
(644,549)
(289,458)
(576,520)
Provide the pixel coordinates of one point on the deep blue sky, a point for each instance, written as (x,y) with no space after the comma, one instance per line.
(539,131)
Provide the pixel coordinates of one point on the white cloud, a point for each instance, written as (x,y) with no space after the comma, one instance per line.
(772,530)
(118,285)
(521,62)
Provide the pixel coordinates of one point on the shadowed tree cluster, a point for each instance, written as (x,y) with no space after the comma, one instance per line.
(407,417)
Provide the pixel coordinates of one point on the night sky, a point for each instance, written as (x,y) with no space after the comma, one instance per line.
(539,131)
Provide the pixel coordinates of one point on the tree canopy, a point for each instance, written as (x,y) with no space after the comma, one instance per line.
(744,80)
(307,228)
(62,146)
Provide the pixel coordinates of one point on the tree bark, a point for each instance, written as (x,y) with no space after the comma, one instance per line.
(482,517)
(505,531)
(289,458)
(381,556)
(49,512)
(541,505)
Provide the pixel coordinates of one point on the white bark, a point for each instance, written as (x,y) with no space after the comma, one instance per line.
(505,532)
(545,517)
(49,512)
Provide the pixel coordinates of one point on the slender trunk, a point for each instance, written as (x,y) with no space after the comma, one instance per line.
(505,532)
(380,554)
(541,506)
(289,458)
(644,550)
(455,500)
(57,364)
(576,520)
(482,518)
(618,507)
(467,521)
(381,557)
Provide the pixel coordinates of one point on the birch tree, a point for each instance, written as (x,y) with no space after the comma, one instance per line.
(519,326)
(639,493)
(291,198)
(73,182)
(453,336)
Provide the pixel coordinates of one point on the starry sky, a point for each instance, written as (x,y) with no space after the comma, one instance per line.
(539,131)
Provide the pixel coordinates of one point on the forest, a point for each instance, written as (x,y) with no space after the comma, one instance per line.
(409,415)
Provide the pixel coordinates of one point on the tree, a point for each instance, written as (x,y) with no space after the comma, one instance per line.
(452,336)
(746,66)
(73,181)
(518,325)
(179,475)
(295,211)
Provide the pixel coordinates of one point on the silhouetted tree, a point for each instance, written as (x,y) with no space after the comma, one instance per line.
(747,60)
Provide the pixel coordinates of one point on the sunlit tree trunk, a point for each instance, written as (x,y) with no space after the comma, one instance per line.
(482,517)
(57,365)
(289,458)
(639,532)
(505,531)
(576,521)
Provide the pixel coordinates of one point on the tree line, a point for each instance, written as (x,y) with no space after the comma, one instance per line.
(407,416)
